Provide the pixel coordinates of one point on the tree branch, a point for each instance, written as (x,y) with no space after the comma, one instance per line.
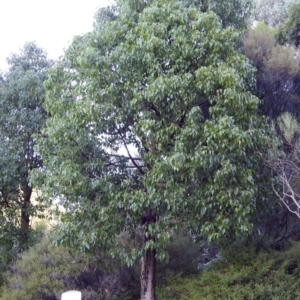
(129,155)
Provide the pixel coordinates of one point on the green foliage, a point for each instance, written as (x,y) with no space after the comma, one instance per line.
(152,128)
(36,280)
(43,272)
(241,274)
(278,72)
(290,31)
(150,117)
(234,13)
(21,116)
(272,12)
(289,128)
(104,15)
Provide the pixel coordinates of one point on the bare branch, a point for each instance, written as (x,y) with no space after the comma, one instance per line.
(129,155)
(126,157)
(287,170)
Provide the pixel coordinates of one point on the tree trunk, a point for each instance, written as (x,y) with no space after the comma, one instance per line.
(148,267)
(25,219)
(148,276)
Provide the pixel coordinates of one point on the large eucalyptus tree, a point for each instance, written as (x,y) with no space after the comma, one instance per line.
(151,128)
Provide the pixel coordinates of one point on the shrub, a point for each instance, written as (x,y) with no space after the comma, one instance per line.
(241,274)
(45,273)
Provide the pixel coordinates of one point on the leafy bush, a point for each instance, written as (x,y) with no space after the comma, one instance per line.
(45,273)
(10,246)
(242,274)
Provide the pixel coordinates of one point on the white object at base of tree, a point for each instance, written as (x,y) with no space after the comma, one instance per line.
(71,295)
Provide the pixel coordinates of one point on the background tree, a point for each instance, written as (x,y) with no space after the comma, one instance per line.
(272,12)
(278,72)
(290,30)
(284,161)
(278,85)
(21,116)
(151,129)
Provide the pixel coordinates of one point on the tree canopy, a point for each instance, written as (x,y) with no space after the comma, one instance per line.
(290,30)
(21,116)
(272,12)
(151,128)
(278,72)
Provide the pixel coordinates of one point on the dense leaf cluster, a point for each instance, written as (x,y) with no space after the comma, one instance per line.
(151,123)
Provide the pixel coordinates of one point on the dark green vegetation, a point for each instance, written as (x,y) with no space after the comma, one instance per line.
(278,72)
(272,12)
(169,126)
(21,116)
(45,272)
(243,274)
(289,32)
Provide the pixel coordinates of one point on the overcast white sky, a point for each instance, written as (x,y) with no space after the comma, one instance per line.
(51,24)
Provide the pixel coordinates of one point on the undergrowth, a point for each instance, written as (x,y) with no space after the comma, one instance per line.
(44,273)
(242,274)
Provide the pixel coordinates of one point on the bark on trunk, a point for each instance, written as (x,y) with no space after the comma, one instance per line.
(148,267)
(25,218)
(148,276)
